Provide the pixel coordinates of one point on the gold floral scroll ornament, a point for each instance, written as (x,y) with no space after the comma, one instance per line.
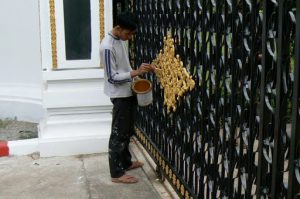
(173,77)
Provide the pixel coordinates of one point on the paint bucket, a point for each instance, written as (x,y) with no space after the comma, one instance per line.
(143,90)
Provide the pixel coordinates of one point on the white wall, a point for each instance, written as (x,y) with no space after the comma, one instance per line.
(20,60)
(77,113)
(73,113)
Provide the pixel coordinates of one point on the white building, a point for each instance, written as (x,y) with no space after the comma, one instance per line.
(42,80)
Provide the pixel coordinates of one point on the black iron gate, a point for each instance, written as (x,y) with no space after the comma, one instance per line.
(237,133)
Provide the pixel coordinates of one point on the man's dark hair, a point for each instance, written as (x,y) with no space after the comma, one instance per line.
(127,20)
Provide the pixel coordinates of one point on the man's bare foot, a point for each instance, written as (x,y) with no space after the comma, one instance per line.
(126,179)
(134,165)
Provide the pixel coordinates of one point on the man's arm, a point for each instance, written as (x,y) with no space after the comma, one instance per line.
(118,78)
(114,77)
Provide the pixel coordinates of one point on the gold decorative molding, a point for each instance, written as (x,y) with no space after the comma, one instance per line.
(164,166)
(187,195)
(174,179)
(182,190)
(178,184)
(173,77)
(170,173)
(101,15)
(53,34)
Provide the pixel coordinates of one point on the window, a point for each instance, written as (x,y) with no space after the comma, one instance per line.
(78,33)
(77,19)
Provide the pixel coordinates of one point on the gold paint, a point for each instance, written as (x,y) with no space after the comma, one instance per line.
(178,184)
(173,77)
(174,179)
(187,195)
(182,190)
(137,133)
(160,161)
(53,34)
(101,13)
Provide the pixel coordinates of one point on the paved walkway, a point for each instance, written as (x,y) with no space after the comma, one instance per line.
(75,177)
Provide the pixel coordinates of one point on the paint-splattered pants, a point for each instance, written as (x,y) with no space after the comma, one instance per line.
(121,130)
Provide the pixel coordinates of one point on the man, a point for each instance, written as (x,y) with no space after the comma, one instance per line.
(118,79)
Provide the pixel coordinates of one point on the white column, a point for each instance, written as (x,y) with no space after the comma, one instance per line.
(20,61)
(78,114)
(78,117)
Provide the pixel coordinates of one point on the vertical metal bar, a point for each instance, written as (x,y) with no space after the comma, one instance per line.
(262,115)
(293,184)
(252,108)
(217,34)
(233,100)
(241,102)
(204,103)
(277,166)
(226,108)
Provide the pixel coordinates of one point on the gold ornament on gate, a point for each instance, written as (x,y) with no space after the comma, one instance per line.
(172,75)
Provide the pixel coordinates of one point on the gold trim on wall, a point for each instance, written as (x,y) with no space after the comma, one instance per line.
(101,15)
(53,34)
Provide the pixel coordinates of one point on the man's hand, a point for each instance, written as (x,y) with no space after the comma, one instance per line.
(144,68)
